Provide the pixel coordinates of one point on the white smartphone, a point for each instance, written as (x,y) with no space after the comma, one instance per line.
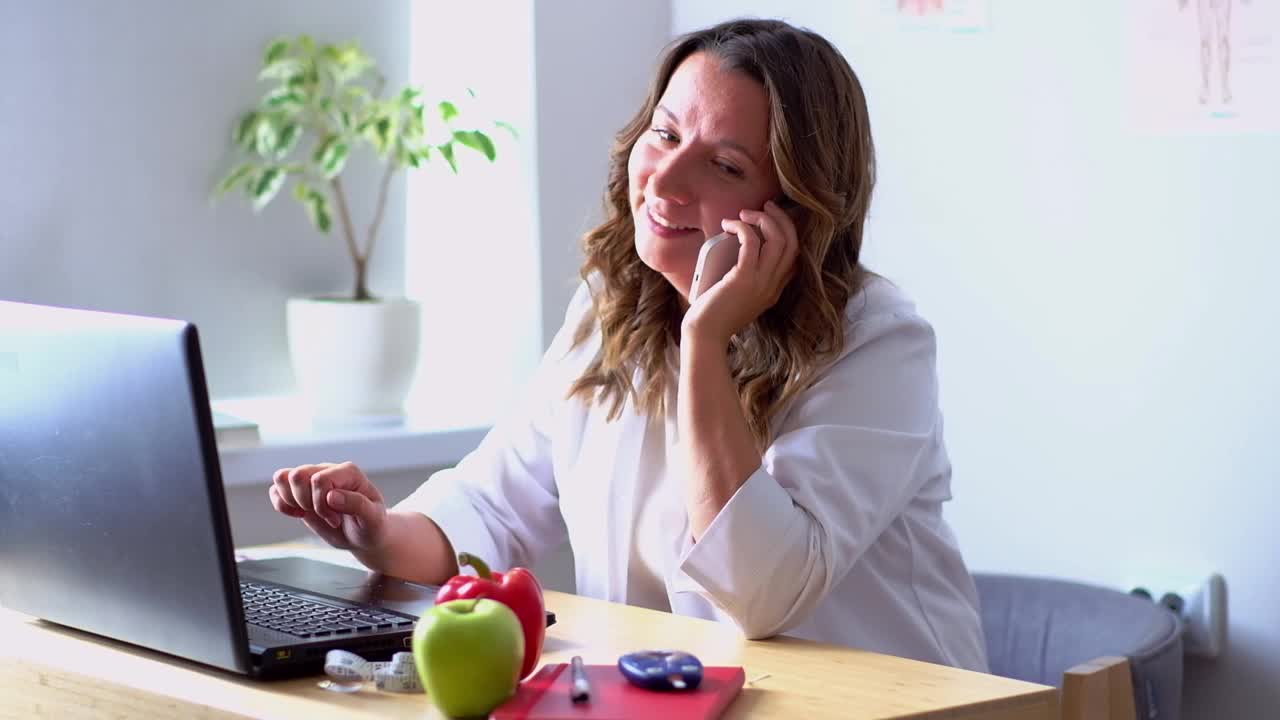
(716,258)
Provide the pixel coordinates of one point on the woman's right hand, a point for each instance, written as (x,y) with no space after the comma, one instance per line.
(336,501)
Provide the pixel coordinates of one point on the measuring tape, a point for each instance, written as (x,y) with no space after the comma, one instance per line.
(348,672)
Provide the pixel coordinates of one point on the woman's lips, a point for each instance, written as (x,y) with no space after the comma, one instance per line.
(665,232)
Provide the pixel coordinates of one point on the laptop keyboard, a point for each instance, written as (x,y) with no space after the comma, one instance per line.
(277,609)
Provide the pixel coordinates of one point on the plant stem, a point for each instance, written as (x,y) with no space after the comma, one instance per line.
(362,288)
(348,232)
(378,211)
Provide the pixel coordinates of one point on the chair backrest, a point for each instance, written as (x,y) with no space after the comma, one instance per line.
(1038,628)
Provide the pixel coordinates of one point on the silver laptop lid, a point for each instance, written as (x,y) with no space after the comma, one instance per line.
(112,513)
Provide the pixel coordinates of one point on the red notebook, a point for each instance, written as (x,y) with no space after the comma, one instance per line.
(545,696)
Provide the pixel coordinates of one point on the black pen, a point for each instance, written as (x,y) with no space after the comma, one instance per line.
(580,690)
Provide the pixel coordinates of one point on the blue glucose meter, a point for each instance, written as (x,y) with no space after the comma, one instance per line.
(661,669)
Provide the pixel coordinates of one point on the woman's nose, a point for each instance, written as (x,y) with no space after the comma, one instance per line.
(670,179)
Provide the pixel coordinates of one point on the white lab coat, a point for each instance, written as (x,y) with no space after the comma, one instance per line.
(837,537)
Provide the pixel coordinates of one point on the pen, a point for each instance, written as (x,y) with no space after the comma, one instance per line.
(580,690)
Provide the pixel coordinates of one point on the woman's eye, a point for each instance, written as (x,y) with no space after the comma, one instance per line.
(664,134)
(730,169)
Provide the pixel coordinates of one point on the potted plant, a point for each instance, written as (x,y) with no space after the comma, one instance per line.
(325,102)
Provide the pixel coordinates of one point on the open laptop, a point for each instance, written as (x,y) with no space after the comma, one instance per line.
(113,518)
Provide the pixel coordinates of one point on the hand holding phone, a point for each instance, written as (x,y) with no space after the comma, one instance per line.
(719,254)
(716,258)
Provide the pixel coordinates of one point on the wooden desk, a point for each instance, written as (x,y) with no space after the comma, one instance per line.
(48,671)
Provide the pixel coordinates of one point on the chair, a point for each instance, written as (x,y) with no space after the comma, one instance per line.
(1114,655)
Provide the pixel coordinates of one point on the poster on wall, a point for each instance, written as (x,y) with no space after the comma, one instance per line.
(1204,66)
(955,16)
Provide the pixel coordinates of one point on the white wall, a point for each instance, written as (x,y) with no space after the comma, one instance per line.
(1104,300)
(115,122)
(593,62)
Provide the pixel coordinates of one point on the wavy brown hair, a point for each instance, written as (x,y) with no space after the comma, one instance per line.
(820,146)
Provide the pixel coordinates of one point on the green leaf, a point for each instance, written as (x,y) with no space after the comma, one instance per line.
(448,110)
(446,151)
(411,97)
(233,178)
(345,62)
(318,211)
(316,205)
(282,69)
(307,44)
(268,184)
(334,158)
(383,130)
(405,156)
(380,131)
(322,148)
(412,131)
(356,92)
(287,140)
(265,136)
(354,60)
(508,127)
(275,50)
(285,98)
(251,182)
(244,134)
(476,140)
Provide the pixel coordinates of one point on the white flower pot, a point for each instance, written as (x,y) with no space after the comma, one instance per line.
(354,361)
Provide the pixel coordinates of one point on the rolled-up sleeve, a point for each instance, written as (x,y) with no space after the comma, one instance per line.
(849,456)
(501,501)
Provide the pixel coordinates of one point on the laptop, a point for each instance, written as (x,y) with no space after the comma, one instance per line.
(113,518)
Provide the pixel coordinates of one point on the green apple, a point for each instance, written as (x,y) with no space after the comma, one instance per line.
(468,654)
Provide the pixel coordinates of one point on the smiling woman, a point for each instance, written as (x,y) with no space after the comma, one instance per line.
(704,158)
(722,132)
(769,455)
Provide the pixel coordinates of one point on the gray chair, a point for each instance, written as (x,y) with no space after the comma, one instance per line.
(1114,655)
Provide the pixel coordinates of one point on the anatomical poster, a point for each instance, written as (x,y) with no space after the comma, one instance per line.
(1204,66)
(956,16)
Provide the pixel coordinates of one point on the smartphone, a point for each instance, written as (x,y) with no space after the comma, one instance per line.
(716,258)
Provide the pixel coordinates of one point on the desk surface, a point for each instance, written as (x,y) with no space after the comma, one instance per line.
(51,671)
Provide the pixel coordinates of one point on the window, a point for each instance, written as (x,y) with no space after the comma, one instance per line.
(471,245)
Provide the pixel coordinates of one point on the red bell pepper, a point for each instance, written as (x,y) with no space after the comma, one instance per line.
(517,588)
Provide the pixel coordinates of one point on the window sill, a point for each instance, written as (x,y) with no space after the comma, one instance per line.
(287,436)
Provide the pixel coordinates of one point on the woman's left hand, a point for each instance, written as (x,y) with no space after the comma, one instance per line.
(766,262)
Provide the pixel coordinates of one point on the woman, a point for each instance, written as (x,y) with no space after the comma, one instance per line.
(770,455)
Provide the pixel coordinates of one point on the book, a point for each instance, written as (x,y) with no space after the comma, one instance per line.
(545,696)
(233,431)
